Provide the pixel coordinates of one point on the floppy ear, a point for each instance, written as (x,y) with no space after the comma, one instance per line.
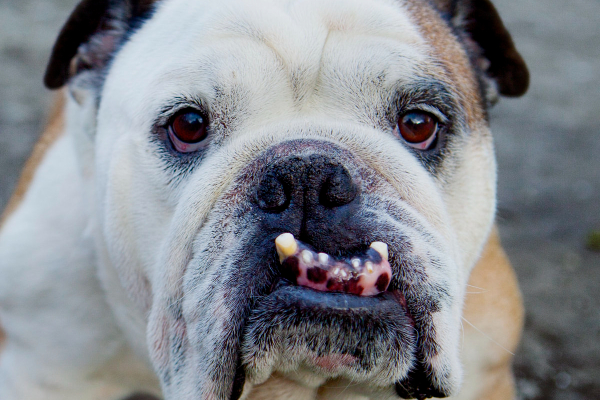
(91,35)
(489,42)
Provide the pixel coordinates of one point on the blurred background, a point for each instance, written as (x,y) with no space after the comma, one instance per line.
(548,148)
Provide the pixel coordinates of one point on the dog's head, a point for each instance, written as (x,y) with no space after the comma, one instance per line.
(216,126)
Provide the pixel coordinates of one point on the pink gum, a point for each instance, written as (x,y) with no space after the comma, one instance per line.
(339,275)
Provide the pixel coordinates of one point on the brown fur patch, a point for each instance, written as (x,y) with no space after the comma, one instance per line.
(53,131)
(455,67)
(495,307)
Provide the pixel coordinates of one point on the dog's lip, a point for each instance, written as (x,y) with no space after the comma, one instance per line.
(311,298)
(332,302)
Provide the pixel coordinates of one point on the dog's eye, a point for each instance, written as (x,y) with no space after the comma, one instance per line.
(418,129)
(187,130)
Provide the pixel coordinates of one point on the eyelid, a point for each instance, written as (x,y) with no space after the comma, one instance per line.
(442,119)
(168,112)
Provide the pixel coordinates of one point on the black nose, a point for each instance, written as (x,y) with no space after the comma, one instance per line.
(309,181)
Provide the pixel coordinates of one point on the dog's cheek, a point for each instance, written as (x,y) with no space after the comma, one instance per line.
(159,344)
(134,223)
(470,194)
(447,364)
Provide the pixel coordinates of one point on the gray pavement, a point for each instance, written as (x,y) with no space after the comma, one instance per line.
(548,148)
(548,145)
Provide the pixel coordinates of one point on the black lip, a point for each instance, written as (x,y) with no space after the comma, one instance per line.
(389,307)
(307,299)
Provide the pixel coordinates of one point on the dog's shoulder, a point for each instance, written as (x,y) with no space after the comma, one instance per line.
(492,321)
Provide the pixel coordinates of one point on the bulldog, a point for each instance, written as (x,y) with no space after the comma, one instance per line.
(264,199)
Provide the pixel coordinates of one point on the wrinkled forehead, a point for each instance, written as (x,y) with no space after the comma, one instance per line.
(296,30)
(300,49)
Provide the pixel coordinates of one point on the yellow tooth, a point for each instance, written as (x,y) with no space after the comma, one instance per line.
(286,245)
(381,248)
(369,266)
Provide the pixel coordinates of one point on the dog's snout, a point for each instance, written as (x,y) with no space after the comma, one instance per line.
(311,181)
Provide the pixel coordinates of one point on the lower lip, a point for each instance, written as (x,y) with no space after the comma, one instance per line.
(310,299)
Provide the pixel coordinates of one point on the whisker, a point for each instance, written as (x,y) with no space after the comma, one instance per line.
(488,336)
(477,287)
(351,383)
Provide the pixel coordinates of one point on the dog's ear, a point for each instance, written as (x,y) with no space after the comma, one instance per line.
(91,35)
(489,43)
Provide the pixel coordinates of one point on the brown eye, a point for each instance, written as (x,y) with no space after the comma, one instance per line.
(189,127)
(418,128)
(187,130)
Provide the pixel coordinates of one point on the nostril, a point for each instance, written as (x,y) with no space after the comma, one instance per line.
(271,195)
(338,188)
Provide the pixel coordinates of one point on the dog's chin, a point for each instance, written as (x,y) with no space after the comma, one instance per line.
(364,339)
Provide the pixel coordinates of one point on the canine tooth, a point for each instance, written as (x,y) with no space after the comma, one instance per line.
(323,258)
(369,266)
(355,262)
(307,256)
(286,245)
(381,248)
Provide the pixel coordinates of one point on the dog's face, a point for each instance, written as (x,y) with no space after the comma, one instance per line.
(221,125)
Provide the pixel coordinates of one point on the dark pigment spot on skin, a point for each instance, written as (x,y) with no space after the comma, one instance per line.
(316,275)
(353,287)
(335,285)
(382,282)
(292,270)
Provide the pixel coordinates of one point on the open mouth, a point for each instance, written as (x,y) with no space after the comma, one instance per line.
(365,274)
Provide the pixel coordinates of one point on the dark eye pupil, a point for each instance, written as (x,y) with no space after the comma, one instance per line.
(189,127)
(417,127)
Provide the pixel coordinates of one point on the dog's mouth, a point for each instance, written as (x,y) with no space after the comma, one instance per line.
(366,274)
(332,316)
